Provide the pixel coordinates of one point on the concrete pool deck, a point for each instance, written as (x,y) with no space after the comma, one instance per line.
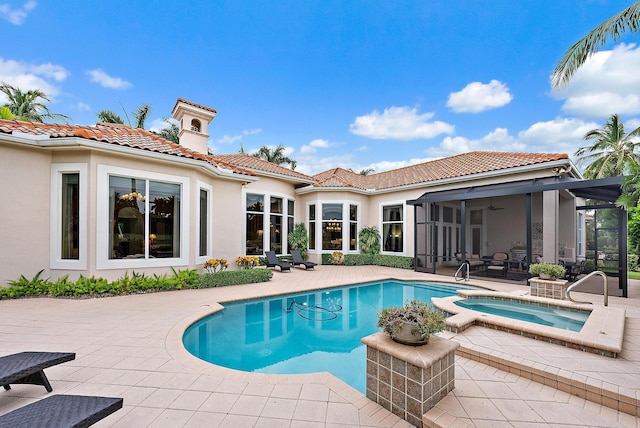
(129,346)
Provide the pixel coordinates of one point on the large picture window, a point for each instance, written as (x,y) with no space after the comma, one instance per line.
(392,228)
(275,225)
(312,227)
(145,218)
(204,247)
(332,227)
(70,216)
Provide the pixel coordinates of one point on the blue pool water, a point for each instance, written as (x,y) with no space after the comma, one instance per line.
(552,316)
(303,333)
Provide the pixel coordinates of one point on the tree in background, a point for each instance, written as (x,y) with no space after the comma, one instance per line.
(170,132)
(141,114)
(5,113)
(275,156)
(613,28)
(613,151)
(29,106)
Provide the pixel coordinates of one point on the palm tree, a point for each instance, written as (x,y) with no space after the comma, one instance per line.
(171,132)
(28,105)
(140,115)
(5,113)
(614,27)
(274,156)
(612,152)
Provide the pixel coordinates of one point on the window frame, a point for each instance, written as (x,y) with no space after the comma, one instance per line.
(209,189)
(404,226)
(266,217)
(103,218)
(55,228)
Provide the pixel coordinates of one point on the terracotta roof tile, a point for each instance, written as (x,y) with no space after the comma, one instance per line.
(253,163)
(182,100)
(117,134)
(450,167)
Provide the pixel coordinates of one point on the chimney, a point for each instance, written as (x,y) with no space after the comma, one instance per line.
(194,120)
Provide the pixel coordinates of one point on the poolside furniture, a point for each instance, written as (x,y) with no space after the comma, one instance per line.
(272,262)
(298,260)
(28,367)
(573,270)
(58,411)
(473,259)
(498,265)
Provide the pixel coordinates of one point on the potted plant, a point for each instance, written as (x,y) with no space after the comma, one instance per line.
(411,324)
(547,270)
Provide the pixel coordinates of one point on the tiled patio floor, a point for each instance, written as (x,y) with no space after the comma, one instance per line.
(130,347)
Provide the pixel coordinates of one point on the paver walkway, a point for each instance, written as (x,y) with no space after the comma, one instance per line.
(129,346)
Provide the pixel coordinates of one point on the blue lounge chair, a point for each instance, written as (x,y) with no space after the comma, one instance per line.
(298,260)
(28,367)
(55,411)
(272,261)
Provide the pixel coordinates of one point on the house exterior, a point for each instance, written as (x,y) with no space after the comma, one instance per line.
(108,199)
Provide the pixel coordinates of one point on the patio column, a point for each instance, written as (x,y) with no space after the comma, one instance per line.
(550,212)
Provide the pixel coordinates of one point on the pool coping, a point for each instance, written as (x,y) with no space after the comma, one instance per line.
(601,334)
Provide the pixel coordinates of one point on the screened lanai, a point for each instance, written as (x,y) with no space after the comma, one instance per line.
(557,218)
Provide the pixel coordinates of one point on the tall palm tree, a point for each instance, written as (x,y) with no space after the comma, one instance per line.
(276,156)
(141,114)
(171,132)
(29,105)
(612,152)
(613,28)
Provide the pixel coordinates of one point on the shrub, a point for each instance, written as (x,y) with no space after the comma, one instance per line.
(235,277)
(402,262)
(553,270)
(425,319)
(299,239)
(247,262)
(633,262)
(369,240)
(337,258)
(215,265)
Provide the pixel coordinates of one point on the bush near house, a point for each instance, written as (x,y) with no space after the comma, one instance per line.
(135,283)
(401,262)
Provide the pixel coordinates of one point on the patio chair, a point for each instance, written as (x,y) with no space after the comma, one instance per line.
(499,264)
(28,367)
(272,262)
(298,260)
(574,270)
(58,411)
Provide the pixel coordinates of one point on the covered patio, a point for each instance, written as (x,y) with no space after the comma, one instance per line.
(556,219)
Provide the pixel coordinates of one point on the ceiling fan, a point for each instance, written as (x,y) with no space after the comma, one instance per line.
(491,207)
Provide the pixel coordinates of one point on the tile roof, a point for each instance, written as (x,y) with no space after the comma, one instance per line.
(253,163)
(454,166)
(182,100)
(118,134)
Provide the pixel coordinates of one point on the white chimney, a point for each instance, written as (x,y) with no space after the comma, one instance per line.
(194,120)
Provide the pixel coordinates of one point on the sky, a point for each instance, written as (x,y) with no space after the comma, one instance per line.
(353,84)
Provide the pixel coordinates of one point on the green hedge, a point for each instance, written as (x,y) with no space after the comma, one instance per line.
(235,277)
(128,284)
(402,262)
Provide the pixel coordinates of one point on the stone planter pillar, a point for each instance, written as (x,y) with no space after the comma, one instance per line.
(409,380)
(552,289)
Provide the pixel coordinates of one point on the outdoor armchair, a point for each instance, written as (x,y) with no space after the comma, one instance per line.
(272,261)
(298,260)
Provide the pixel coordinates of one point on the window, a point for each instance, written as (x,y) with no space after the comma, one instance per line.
(141,219)
(580,235)
(255,221)
(204,219)
(312,227)
(353,227)
(332,227)
(392,228)
(145,218)
(290,221)
(275,225)
(68,216)
(195,125)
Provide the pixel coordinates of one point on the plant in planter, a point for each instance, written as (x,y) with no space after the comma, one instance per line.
(547,270)
(411,324)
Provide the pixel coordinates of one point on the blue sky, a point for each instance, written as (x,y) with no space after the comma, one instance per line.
(351,84)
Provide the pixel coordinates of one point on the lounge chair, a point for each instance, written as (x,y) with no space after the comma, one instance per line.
(28,367)
(298,260)
(58,411)
(272,261)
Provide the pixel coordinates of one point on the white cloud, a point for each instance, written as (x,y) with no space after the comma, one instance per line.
(311,148)
(83,106)
(400,123)
(561,135)
(496,140)
(607,83)
(17,16)
(103,79)
(159,124)
(230,139)
(32,76)
(477,97)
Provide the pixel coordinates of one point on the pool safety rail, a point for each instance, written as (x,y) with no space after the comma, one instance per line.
(314,312)
(582,280)
(464,266)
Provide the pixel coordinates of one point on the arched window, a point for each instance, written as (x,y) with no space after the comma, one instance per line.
(195,125)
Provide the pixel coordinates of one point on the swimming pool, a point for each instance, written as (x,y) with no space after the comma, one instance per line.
(308,332)
(553,316)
